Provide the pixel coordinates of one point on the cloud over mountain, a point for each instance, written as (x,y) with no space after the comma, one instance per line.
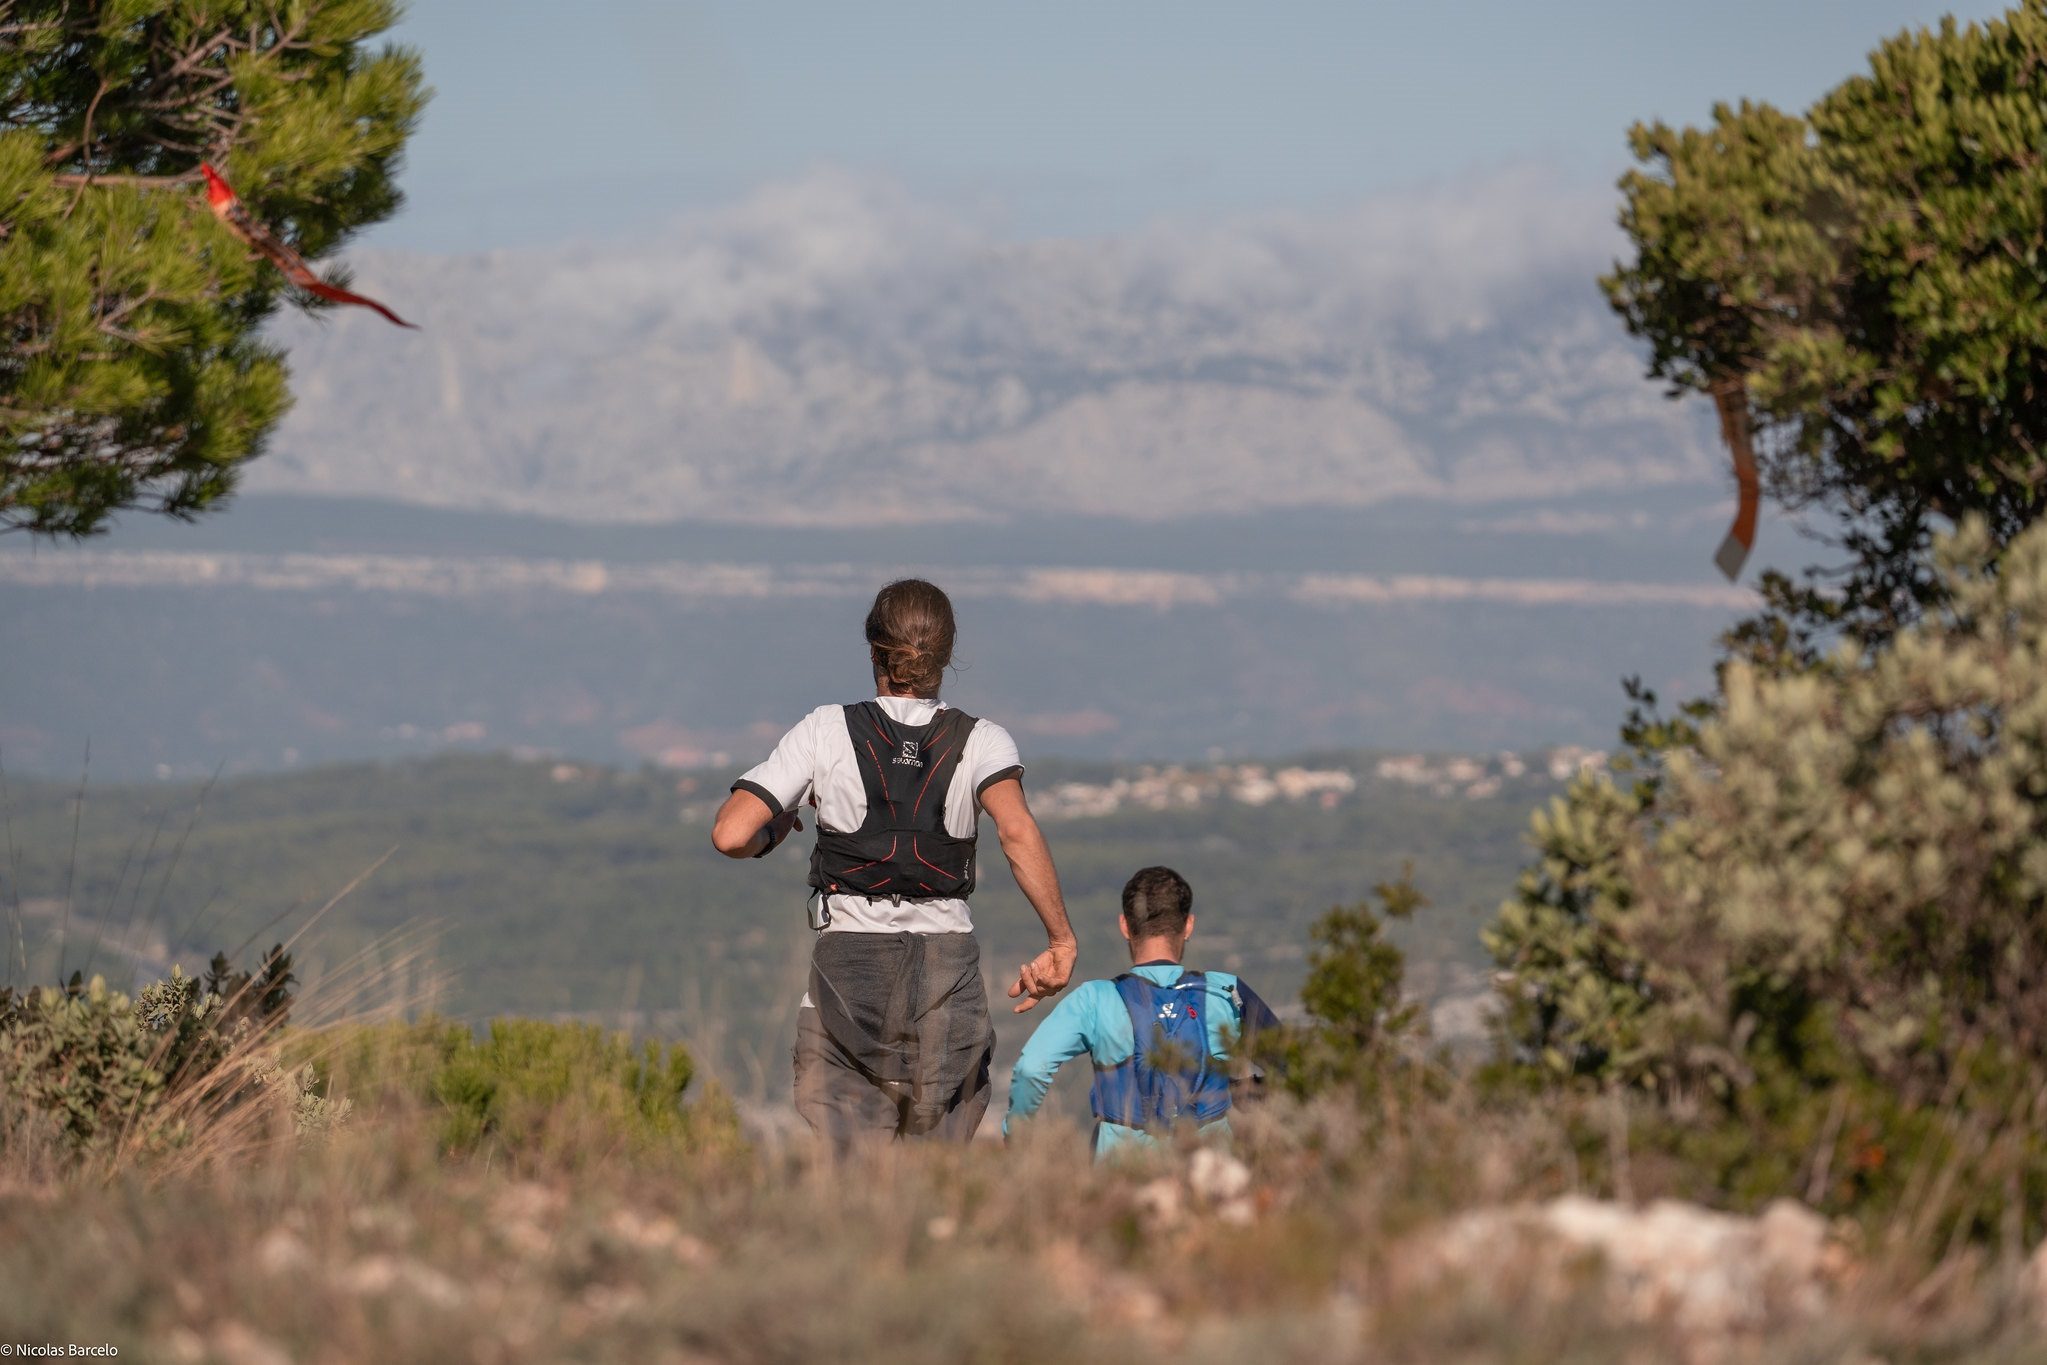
(832,351)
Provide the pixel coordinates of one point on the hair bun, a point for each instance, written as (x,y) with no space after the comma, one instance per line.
(910,630)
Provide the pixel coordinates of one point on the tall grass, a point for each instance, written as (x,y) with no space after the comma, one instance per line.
(387,1243)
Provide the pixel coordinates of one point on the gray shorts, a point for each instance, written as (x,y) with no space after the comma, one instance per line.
(898,1044)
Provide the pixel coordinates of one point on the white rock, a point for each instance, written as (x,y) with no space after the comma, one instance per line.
(281,1253)
(377,1275)
(1239,1212)
(1159,1201)
(1711,1273)
(237,1344)
(379,1221)
(656,1232)
(528,1199)
(1217,1176)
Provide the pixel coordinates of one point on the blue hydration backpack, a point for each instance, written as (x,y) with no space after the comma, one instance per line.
(1170,1075)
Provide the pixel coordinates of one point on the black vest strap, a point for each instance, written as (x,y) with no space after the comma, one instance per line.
(901,849)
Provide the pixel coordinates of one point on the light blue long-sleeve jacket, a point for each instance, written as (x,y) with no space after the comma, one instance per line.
(1093,1020)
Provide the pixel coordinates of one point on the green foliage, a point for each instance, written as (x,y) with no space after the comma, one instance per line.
(315,1114)
(1357,1017)
(104,1070)
(263,996)
(83,1057)
(575,898)
(134,373)
(1808,931)
(99,1064)
(533,1087)
(1836,922)
(1874,274)
(1870,843)
(1571,984)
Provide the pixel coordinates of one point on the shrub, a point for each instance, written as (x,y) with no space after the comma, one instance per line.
(1827,928)
(532,1087)
(262,996)
(1573,993)
(83,1056)
(101,1066)
(1357,1018)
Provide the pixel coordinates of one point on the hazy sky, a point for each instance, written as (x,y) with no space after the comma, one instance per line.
(555,121)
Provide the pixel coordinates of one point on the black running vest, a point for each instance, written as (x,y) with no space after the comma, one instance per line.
(901,851)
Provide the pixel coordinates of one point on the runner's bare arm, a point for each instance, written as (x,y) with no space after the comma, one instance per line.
(745,824)
(1030,861)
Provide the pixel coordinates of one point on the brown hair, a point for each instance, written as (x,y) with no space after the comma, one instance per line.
(909,636)
(1156,901)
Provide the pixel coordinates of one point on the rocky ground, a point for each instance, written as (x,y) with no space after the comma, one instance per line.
(1310,1247)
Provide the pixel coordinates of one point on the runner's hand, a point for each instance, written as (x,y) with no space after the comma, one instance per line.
(1046,974)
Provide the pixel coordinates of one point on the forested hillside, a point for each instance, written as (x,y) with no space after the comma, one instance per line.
(556,888)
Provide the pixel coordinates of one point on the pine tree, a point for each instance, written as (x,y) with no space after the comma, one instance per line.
(1873,275)
(134,373)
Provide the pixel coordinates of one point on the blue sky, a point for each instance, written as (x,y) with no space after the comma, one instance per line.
(609,117)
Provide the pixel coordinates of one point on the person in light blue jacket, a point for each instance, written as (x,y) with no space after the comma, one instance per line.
(1161,1037)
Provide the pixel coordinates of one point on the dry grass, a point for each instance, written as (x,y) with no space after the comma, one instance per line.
(209,1232)
(379,1246)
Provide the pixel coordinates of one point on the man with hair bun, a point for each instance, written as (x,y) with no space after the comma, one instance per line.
(892,1037)
(1168,1044)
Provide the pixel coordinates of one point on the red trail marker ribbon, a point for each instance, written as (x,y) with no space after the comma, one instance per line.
(228,207)
(1732,399)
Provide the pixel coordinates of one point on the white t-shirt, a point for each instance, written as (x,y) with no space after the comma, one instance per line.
(817,759)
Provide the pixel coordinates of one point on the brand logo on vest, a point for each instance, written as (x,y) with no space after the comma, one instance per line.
(909,755)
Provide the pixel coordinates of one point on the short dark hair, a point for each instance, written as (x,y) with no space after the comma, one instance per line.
(1157,900)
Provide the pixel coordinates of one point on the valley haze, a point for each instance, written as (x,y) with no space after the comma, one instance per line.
(1386,477)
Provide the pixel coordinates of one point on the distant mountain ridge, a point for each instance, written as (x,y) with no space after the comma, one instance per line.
(1388,477)
(830,352)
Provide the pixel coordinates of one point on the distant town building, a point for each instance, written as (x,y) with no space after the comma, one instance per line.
(1179,787)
